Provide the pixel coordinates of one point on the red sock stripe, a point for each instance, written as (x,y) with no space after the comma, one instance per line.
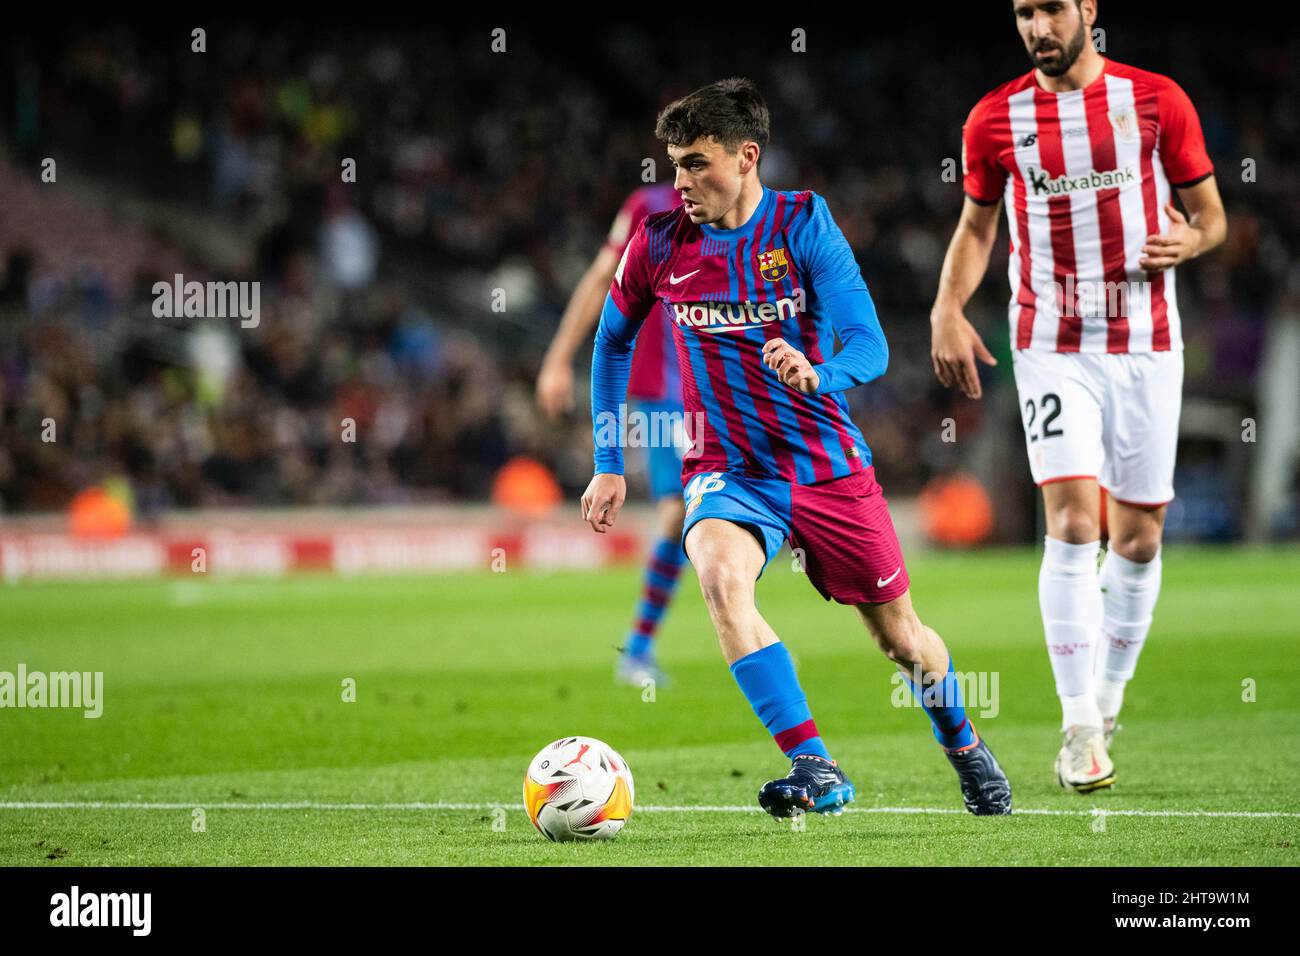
(664,569)
(973,743)
(656,596)
(788,739)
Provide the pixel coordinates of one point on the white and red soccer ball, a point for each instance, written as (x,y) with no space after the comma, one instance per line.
(578,788)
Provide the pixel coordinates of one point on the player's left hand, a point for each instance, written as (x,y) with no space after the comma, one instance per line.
(791,366)
(1179,244)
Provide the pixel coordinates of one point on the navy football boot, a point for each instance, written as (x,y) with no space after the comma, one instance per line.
(813,783)
(984,787)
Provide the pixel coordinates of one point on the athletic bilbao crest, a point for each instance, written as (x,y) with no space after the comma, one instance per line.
(1125,122)
(773,266)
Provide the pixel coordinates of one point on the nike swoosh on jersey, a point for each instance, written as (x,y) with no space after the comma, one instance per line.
(881,582)
(673,280)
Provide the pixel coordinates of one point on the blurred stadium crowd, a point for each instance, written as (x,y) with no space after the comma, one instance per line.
(481,171)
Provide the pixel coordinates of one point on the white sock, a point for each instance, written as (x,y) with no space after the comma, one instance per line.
(1070,600)
(1110,697)
(1130,593)
(1079,711)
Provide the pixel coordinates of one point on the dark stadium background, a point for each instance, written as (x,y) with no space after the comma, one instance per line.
(479,170)
(382,708)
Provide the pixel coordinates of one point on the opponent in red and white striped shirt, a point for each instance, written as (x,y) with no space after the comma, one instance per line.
(1086,154)
(1086,175)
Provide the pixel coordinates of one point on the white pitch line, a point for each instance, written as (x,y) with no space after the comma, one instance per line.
(311,805)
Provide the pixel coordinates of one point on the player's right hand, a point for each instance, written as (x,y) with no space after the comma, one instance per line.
(954,346)
(602,501)
(555,389)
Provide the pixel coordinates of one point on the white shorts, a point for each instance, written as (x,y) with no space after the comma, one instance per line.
(1109,416)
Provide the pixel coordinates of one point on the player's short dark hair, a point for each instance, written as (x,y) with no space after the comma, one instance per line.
(731,111)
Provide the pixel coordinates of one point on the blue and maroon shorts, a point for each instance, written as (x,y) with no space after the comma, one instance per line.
(850,551)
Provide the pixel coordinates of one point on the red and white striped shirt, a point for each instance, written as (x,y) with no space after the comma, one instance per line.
(1085,175)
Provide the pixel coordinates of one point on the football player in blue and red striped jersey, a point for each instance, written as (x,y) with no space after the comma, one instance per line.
(757,284)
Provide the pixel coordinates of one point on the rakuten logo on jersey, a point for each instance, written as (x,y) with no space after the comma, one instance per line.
(1062,185)
(735,316)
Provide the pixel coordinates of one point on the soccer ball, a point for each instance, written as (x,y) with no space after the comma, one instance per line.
(578,788)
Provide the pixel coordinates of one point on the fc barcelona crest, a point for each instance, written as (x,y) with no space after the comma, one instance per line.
(773,266)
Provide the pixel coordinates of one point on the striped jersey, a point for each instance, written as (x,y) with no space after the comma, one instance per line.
(1086,175)
(654,363)
(786,273)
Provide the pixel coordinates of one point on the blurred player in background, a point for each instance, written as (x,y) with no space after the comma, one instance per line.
(1084,152)
(759,283)
(655,387)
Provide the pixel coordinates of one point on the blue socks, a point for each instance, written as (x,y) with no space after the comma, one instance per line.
(767,679)
(942,702)
(662,571)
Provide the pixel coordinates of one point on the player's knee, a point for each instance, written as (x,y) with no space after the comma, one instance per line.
(1140,546)
(724,584)
(1074,524)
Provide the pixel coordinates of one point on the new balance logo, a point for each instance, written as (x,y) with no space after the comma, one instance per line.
(1027,140)
(1064,185)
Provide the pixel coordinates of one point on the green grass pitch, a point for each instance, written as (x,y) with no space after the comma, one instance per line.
(226,696)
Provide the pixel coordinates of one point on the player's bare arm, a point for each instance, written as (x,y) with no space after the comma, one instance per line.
(602,501)
(555,380)
(954,343)
(791,366)
(1204,227)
